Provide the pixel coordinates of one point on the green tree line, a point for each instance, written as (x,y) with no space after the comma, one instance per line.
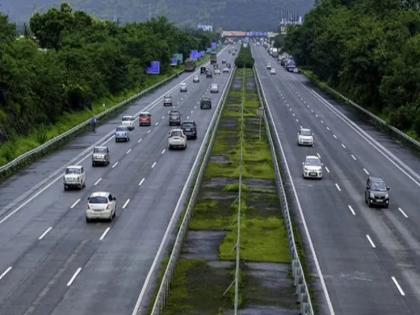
(67,60)
(367,49)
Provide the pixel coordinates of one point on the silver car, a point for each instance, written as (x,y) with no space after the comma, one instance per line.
(100,155)
(305,137)
(312,167)
(121,134)
(101,205)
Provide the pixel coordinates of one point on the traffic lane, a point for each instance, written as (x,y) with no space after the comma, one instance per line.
(327,217)
(203,128)
(24,183)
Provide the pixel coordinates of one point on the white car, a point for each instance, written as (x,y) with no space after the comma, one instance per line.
(305,137)
(74,177)
(268,66)
(177,139)
(128,121)
(312,167)
(183,87)
(100,155)
(196,79)
(217,71)
(214,88)
(273,71)
(226,70)
(101,205)
(121,134)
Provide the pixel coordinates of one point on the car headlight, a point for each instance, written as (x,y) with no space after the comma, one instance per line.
(371,195)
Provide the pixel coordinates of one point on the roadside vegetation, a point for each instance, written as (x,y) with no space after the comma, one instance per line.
(69,65)
(203,277)
(368,50)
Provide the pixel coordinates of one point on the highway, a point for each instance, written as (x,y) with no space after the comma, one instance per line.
(52,261)
(365,260)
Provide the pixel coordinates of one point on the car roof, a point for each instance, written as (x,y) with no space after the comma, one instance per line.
(188,122)
(100,147)
(173,111)
(121,126)
(312,157)
(214,84)
(100,194)
(175,129)
(144,113)
(305,129)
(376,179)
(74,166)
(127,116)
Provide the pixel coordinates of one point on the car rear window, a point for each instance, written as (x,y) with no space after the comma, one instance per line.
(121,129)
(98,199)
(188,125)
(126,119)
(305,132)
(99,150)
(73,171)
(176,133)
(144,115)
(313,161)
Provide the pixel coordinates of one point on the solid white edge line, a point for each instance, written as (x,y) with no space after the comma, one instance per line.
(75,203)
(398,286)
(115,164)
(45,233)
(74,276)
(338,187)
(403,213)
(172,220)
(370,241)
(126,204)
(105,233)
(351,209)
(97,181)
(142,181)
(5,272)
(305,226)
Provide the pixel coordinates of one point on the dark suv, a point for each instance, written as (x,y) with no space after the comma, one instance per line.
(190,129)
(205,103)
(376,192)
(174,118)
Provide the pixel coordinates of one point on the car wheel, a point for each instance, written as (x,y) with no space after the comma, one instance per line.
(369,204)
(88,220)
(66,187)
(93,164)
(115,213)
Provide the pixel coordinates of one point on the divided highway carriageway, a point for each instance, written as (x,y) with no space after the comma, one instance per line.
(364,260)
(52,261)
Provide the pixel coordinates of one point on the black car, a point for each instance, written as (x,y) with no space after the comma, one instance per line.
(205,103)
(203,70)
(190,129)
(376,192)
(174,118)
(209,74)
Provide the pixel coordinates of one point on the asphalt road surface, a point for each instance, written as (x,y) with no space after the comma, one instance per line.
(51,260)
(367,259)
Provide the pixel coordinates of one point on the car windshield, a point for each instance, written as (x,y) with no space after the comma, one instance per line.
(168,98)
(98,199)
(305,132)
(176,133)
(73,171)
(188,124)
(99,150)
(144,115)
(214,85)
(121,129)
(313,161)
(127,118)
(378,185)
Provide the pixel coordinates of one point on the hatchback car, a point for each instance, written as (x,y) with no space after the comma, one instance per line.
(305,137)
(145,119)
(312,167)
(121,134)
(376,192)
(273,71)
(190,129)
(177,139)
(214,88)
(167,100)
(174,118)
(101,205)
(74,177)
(205,103)
(183,87)
(100,156)
(128,121)
(196,79)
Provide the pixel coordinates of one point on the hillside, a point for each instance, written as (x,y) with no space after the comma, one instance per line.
(230,14)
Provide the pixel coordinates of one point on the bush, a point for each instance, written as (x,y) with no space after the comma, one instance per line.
(244,58)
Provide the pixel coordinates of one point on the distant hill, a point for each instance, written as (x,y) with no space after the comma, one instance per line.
(261,15)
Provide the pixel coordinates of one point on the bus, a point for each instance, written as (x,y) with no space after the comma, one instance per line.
(213,58)
(190,65)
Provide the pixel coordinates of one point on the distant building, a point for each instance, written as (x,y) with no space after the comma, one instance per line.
(205,27)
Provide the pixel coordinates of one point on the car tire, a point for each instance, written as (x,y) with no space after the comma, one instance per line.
(66,187)
(88,220)
(93,164)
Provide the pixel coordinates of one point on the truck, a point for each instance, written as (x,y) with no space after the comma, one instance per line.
(190,65)
(213,58)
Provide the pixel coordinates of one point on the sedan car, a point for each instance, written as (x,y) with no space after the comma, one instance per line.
(145,119)
(100,156)
(196,79)
(190,129)
(305,137)
(121,134)
(177,139)
(74,177)
(376,192)
(167,100)
(174,118)
(101,205)
(214,88)
(312,167)
(128,121)
(183,87)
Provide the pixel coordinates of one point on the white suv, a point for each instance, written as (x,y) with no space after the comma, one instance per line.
(312,167)
(214,88)
(305,137)
(128,121)
(101,205)
(177,139)
(74,177)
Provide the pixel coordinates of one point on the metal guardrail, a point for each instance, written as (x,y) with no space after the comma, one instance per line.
(43,148)
(378,120)
(164,287)
(302,288)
